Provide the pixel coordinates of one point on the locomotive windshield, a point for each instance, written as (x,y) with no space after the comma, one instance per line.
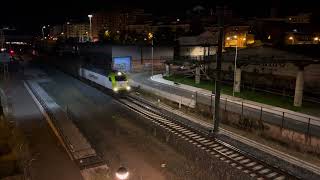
(121,78)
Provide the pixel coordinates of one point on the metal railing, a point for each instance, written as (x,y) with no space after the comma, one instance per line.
(284,119)
(300,123)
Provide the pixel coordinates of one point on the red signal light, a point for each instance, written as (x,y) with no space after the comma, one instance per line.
(11,52)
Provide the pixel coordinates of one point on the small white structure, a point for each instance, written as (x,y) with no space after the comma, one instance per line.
(201,45)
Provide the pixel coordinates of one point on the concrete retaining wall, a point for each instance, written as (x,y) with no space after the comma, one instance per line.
(158,65)
(172,97)
(291,138)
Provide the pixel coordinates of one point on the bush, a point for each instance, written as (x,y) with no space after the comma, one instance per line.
(13,150)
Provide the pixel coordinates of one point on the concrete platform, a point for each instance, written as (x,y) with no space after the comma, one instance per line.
(76,143)
(48,159)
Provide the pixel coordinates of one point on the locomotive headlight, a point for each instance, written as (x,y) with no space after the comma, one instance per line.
(119,73)
(115,89)
(128,88)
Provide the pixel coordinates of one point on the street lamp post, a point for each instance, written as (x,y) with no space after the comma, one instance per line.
(235,66)
(292,39)
(152,55)
(150,37)
(42,29)
(90,21)
(122,173)
(235,61)
(316,39)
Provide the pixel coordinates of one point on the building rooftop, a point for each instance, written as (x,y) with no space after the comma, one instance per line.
(264,54)
(206,37)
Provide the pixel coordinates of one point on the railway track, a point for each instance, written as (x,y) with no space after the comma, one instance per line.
(225,152)
(200,138)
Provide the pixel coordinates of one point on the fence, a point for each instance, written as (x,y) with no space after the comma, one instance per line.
(304,124)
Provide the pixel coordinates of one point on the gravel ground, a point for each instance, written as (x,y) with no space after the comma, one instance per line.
(297,171)
(304,174)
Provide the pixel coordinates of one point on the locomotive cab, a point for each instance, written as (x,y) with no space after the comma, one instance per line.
(119,81)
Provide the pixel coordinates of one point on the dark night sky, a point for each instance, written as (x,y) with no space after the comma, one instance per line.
(31,14)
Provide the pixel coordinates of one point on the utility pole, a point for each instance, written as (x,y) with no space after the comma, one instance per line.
(235,69)
(218,72)
(90,25)
(42,30)
(152,56)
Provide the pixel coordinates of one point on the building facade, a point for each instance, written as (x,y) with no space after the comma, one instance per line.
(303,18)
(238,36)
(55,30)
(289,30)
(199,46)
(78,31)
(295,38)
(117,21)
(145,28)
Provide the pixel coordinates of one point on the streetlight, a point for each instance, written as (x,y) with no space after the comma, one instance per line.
(235,58)
(235,61)
(235,37)
(292,39)
(235,65)
(150,37)
(42,29)
(122,173)
(90,21)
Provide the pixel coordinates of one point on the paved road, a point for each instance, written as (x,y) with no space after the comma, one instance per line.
(51,162)
(300,125)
